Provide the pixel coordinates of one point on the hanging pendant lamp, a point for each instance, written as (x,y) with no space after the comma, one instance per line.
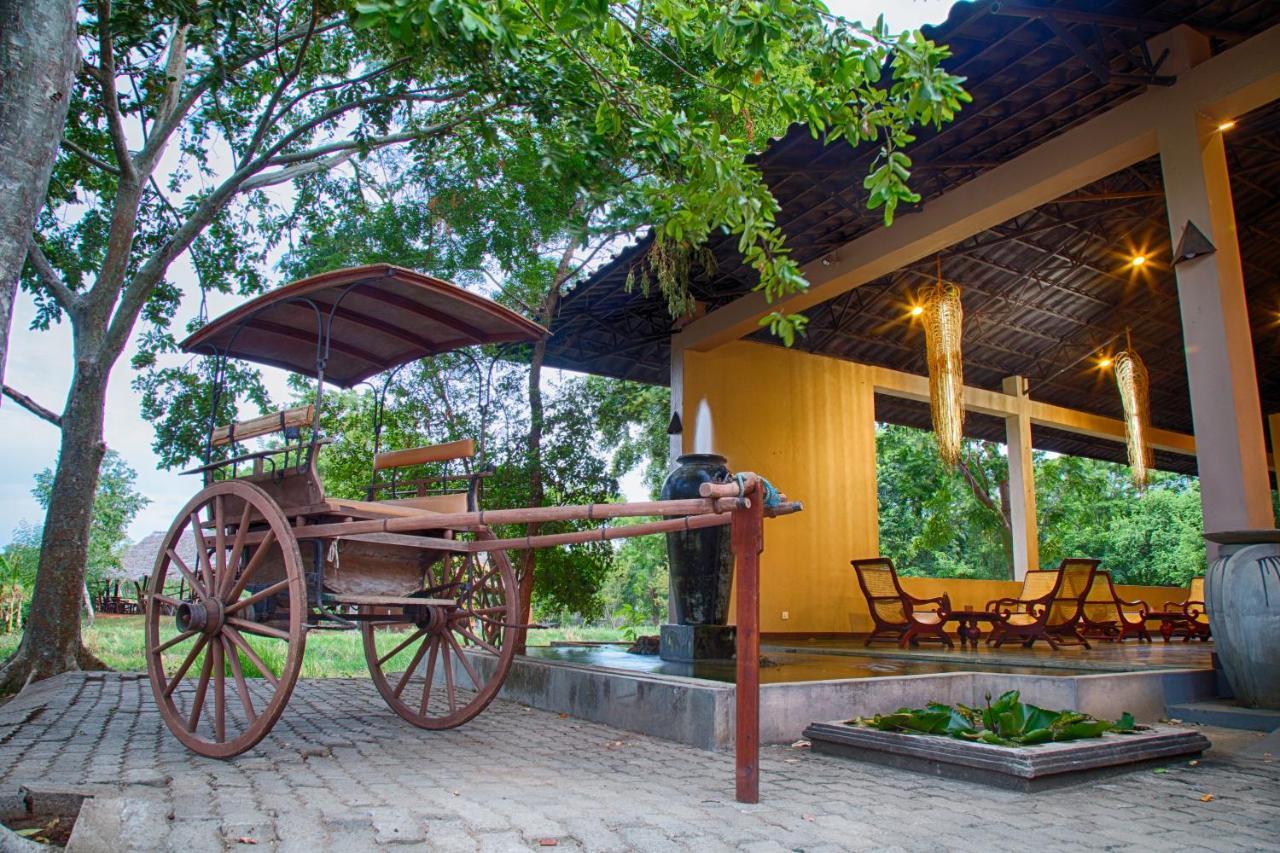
(1131,381)
(943,317)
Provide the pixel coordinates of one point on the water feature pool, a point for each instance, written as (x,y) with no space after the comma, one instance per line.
(776,667)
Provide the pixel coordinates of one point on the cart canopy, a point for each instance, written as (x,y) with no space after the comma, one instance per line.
(377,317)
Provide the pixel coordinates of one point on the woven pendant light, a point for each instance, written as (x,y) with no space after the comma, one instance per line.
(1131,381)
(943,317)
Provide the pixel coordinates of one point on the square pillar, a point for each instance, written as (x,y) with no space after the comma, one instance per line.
(1234,484)
(1022,482)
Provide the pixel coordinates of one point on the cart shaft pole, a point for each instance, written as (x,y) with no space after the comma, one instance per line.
(748,542)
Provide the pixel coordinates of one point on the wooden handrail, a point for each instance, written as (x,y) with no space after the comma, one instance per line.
(299,416)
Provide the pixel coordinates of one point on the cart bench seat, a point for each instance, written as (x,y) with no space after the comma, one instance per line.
(399,508)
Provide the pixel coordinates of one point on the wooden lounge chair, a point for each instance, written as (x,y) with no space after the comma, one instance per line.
(1049,607)
(1186,618)
(898,615)
(1107,616)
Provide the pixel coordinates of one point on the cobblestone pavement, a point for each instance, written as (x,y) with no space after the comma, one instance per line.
(341,772)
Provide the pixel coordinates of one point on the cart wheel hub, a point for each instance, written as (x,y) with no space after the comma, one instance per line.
(204,615)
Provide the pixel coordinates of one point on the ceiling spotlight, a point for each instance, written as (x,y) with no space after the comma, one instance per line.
(1138,260)
(917,311)
(1226,125)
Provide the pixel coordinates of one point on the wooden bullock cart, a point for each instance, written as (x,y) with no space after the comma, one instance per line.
(276,557)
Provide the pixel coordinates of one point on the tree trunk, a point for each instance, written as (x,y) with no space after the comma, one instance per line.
(537,490)
(38,62)
(51,642)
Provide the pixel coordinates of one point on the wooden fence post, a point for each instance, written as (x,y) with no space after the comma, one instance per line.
(748,542)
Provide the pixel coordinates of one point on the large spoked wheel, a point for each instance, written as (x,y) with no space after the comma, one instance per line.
(468,645)
(225,625)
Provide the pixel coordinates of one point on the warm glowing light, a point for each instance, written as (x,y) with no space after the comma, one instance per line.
(1138,260)
(1104,363)
(917,311)
(1226,125)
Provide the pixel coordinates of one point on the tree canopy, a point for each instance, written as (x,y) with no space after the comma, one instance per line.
(943,524)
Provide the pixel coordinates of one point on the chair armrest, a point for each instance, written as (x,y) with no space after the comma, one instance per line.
(1175,605)
(1139,603)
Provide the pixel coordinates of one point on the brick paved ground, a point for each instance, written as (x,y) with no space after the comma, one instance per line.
(341,772)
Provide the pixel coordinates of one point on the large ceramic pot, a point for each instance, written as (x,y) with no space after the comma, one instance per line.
(1242,598)
(701,561)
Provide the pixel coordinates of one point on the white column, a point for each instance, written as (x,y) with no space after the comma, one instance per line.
(1022,482)
(1234,486)
(675,445)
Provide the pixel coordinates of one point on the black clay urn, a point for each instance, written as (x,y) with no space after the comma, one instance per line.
(701,561)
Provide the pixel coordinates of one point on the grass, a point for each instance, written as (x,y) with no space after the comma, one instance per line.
(118,642)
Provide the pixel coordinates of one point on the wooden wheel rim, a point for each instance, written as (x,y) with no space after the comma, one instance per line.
(217,641)
(508,590)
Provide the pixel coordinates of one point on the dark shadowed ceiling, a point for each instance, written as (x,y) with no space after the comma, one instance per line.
(1043,293)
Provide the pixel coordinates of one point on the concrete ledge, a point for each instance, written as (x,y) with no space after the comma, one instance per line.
(1030,768)
(700,713)
(1227,714)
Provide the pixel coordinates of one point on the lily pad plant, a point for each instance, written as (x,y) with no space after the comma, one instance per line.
(1006,722)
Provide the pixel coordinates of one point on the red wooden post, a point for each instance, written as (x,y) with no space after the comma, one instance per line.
(748,542)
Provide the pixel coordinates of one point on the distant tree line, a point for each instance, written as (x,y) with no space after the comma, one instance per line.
(942,524)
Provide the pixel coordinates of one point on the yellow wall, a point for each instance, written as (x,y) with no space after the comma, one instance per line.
(807,423)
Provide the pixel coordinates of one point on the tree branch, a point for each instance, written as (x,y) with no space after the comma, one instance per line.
(342,145)
(175,68)
(68,299)
(298,170)
(110,99)
(32,406)
(84,154)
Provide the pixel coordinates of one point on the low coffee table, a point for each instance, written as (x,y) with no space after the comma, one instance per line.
(967,625)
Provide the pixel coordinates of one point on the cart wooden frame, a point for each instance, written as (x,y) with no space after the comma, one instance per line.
(275,558)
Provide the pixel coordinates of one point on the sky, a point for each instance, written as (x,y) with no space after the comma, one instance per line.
(40,366)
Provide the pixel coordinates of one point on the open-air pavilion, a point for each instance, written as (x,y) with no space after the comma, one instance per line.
(1098,133)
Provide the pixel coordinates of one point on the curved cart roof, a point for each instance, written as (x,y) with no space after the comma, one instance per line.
(383,316)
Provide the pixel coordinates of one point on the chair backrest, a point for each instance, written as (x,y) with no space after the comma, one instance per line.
(1038,583)
(1102,603)
(879,582)
(1075,579)
(1195,591)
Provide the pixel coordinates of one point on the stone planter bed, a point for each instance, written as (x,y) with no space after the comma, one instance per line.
(1024,768)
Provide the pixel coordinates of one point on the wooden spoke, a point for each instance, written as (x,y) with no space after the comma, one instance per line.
(203,688)
(488,647)
(219,692)
(431,674)
(267,541)
(186,572)
(186,665)
(257,628)
(173,641)
(274,589)
(448,680)
(219,547)
(234,636)
(237,547)
(462,659)
(408,673)
(202,550)
(237,672)
(389,655)
(165,599)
